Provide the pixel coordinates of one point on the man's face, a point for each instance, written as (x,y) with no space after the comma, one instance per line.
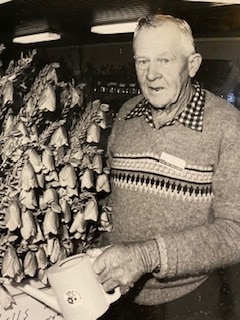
(161,67)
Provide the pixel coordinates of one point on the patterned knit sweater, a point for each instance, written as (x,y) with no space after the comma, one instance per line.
(181,187)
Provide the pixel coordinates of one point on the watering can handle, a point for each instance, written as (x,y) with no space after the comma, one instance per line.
(116,294)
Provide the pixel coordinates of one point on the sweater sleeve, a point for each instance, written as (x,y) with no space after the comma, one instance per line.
(216,244)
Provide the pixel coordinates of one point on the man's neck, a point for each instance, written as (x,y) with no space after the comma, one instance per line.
(163,115)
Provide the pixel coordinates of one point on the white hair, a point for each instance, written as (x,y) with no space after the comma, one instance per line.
(156,20)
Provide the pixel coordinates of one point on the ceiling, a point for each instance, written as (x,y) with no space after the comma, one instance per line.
(75,17)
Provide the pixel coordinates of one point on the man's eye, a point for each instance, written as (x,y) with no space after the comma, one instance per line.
(142,62)
(164,60)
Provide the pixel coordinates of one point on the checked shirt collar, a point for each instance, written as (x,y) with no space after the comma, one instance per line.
(191,116)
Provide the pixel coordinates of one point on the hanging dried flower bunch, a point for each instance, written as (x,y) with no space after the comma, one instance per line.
(51,172)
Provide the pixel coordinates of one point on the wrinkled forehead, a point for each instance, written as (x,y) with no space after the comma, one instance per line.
(166,35)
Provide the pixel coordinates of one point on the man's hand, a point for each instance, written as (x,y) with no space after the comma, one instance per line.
(122,265)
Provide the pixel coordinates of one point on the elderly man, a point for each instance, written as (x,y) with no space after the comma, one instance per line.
(174,153)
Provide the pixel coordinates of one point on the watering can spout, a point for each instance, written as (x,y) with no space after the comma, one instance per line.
(46,298)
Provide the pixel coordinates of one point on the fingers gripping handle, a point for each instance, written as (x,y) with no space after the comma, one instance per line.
(113,296)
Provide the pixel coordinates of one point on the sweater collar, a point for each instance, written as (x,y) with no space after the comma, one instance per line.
(191,116)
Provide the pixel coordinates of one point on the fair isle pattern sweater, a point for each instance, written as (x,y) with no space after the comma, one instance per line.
(181,187)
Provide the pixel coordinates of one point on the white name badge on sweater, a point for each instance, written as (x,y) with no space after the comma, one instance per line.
(172,161)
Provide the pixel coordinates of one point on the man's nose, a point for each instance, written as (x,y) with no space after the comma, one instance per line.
(153,71)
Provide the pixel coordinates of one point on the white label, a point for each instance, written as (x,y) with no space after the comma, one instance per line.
(173,162)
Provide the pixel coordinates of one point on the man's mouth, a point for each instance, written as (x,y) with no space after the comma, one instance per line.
(156,88)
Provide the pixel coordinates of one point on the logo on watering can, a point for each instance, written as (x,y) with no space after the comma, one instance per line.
(73,298)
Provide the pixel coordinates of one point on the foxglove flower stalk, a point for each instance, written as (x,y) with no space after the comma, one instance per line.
(52,170)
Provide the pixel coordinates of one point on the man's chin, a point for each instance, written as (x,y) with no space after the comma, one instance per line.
(157,104)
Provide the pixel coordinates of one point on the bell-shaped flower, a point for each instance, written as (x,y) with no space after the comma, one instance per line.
(10,122)
(93,133)
(64,232)
(79,223)
(6,299)
(75,97)
(104,107)
(66,211)
(62,254)
(40,179)
(55,251)
(97,163)
(35,159)
(67,176)
(51,176)
(49,196)
(68,245)
(21,128)
(96,104)
(12,219)
(102,183)
(28,179)
(28,198)
(47,160)
(28,228)
(47,100)
(91,210)
(48,247)
(38,237)
(30,264)
(87,181)
(59,137)
(76,155)
(29,107)
(42,276)
(7,92)
(33,133)
(86,162)
(11,265)
(10,149)
(51,222)
(55,207)
(72,191)
(41,257)
(102,120)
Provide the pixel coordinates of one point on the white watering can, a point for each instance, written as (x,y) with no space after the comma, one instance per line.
(76,292)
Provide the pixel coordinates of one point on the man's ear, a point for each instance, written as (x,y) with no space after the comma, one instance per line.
(194,62)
